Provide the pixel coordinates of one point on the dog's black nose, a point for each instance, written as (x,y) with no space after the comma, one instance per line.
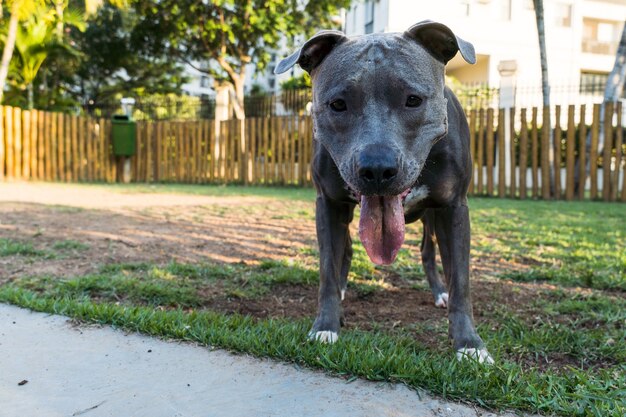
(377,168)
(378,174)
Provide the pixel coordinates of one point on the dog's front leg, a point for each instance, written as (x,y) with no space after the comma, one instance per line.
(332,219)
(452,227)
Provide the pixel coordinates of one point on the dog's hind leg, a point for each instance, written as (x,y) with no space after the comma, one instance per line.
(345,269)
(345,266)
(440,294)
(332,219)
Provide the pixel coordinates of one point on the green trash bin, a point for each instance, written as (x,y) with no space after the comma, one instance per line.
(124,135)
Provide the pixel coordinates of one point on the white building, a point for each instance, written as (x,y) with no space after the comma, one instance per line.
(200,84)
(581,36)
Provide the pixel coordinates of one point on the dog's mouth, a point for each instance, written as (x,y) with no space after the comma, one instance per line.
(381,227)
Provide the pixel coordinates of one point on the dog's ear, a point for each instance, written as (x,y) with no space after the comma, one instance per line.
(439,40)
(313,52)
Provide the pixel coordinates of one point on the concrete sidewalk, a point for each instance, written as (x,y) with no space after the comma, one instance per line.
(97,371)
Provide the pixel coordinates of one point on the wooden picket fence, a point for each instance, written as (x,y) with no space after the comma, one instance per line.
(276,150)
(37,145)
(54,146)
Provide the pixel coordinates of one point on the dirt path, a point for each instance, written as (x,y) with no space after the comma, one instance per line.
(118,227)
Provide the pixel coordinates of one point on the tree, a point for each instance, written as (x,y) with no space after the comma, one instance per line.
(222,37)
(36,39)
(615,81)
(20,10)
(612,92)
(545,90)
(117,61)
(541,33)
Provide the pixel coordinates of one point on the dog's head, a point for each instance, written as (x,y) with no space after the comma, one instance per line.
(378,101)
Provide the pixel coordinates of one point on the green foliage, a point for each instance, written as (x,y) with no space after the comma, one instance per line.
(297,83)
(9,247)
(227,35)
(37,39)
(118,62)
(475,96)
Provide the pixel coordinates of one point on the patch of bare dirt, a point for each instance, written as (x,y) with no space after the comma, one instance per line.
(160,228)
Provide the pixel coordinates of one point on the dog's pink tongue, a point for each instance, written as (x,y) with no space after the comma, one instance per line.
(381,227)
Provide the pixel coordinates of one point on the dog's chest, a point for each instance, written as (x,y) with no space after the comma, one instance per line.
(413,201)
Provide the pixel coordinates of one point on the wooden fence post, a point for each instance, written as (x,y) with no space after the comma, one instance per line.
(490,152)
(501,153)
(557,153)
(545,154)
(606,154)
(618,153)
(37,169)
(472,129)
(512,153)
(10,141)
(582,153)
(569,155)
(2,141)
(523,155)
(534,135)
(593,153)
(26,152)
(17,141)
(480,150)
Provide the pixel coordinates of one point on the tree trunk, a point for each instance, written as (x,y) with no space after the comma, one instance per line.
(59,6)
(240,114)
(615,82)
(7,53)
(545,86)
(612,92)
(31,99)
(614,85)
(545,83)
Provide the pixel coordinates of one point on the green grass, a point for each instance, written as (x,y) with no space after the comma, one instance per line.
(574,244)
(69,245)
(585,327)
(9,247)
(564,352)
(375,356)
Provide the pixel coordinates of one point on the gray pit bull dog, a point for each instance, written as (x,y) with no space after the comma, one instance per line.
(389,136)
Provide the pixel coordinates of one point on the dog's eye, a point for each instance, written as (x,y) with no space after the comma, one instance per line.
(338,105)
(413,101)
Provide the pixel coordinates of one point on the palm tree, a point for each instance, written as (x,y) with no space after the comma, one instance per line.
(36,38)
(20,10)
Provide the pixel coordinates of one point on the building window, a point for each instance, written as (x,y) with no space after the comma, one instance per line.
(594,83)
(204,81)
(369,16)
(563,15)
(601,36)
(505,10)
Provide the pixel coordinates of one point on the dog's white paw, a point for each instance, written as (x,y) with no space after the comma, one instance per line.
(324,337)
(480,355)
(442,300)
